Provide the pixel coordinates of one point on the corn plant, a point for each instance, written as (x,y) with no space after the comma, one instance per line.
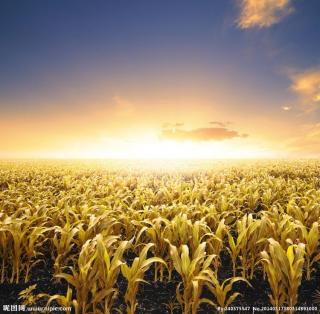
(242,246)
(82,280)
(156,233)
(134,274)
(66,301)
(107,267)
(33,242)
(95,279)
(311,240)
(221,291)
(190,269)
(63,240)
(92,225)
(17,230)
(284,269)
(27,296)
(5,243)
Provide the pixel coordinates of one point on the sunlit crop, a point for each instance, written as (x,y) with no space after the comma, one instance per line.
(107,230)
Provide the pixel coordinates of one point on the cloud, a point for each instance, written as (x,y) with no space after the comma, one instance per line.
(286,108)
(262,13)
(307,86)
(200,134)
(172,125)
(308,143)
(220,123)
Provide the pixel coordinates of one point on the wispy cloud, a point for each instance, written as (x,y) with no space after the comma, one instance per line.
(308,142)
(220,123)
(263,13)
(307,86)
(172,125)
(200,134)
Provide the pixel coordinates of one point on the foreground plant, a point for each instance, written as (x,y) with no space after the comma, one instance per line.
(243,246)
(156,233)
(27,296)
(191,268)
(95,277)
(221,291)
(63,241)
(66,301)
(135,274)
(23,242)
(284,270)
(311,239)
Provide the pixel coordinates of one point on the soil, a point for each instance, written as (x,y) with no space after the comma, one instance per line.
(157,297)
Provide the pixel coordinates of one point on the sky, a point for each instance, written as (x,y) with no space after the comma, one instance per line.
(159,79)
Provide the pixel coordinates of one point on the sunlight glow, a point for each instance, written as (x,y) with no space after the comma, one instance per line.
(154,148)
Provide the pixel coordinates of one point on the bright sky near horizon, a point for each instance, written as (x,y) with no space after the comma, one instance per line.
(159,79)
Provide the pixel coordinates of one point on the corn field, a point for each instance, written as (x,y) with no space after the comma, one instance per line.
(117,237)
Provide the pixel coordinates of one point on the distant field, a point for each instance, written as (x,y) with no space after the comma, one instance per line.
(169,237)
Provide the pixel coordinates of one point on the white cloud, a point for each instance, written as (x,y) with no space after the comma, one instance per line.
(286,108)
(263,13)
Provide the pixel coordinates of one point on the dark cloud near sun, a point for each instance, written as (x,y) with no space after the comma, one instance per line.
(200,134)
